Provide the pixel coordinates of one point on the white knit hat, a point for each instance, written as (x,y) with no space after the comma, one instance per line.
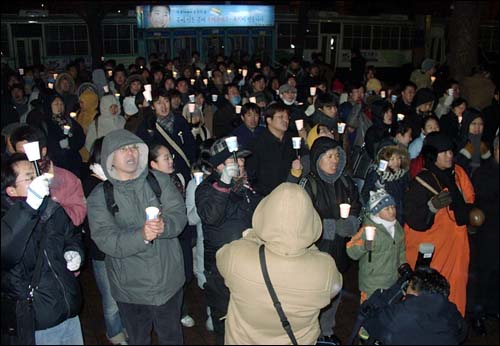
(129,105)
(379,200)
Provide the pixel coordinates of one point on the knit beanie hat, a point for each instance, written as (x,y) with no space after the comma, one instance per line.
(423,96)
(129,105)
(427,64)
(379,200)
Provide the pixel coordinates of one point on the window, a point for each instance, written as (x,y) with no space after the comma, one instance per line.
(5,41)
(488,38)
(330,28)
(356,35)
(311,37)
(407,34)
(118,38)
(66,40)
(286,35)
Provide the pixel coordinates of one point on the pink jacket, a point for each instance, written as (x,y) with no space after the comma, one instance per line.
(66,189)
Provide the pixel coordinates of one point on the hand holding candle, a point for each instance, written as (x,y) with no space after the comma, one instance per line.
(151,214)
(296,143)
(370,235)
(232,146)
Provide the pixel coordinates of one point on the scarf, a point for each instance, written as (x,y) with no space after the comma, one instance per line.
(167,123)
(60,120)
(388,225)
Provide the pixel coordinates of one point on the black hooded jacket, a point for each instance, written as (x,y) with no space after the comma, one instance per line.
(379,130)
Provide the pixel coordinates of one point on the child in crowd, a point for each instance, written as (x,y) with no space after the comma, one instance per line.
(380,258)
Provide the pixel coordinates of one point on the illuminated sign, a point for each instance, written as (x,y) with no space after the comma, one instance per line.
(195,16)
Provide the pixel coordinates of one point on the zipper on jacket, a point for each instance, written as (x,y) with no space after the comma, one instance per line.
(59,281)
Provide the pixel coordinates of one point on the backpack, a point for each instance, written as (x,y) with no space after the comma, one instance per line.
(110,197)
(361,162)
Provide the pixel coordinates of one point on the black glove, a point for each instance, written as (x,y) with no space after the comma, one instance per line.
(441,200)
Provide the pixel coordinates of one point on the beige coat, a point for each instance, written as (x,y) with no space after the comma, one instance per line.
(478,91)
(305,279)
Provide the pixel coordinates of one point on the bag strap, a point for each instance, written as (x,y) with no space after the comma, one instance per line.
(274,297)
(172,144)
(312,181)
(109,195)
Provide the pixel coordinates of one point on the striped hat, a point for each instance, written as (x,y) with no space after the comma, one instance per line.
(379,200)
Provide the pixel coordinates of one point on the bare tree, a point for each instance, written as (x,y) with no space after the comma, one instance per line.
(463,38)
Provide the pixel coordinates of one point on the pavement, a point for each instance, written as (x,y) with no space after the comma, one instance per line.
(94,330)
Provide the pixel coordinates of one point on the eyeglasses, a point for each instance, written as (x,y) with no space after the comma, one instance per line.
(133,147)
(170,157)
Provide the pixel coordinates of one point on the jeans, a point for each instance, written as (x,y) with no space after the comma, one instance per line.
(68,332)
(217,296)
(166,320)
(112,317)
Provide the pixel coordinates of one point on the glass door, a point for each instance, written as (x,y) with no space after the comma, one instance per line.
(329,48)
(28,51)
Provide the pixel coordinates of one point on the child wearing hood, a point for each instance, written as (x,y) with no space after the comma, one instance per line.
(380,268)
(473,151)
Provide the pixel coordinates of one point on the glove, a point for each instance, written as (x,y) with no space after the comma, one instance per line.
(73,260)
(37,190)
(441,200)
(64,144)
(347,227)
(231,170)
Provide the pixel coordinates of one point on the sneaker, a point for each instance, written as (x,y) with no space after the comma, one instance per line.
(187,321)
(209,324)
(328,340)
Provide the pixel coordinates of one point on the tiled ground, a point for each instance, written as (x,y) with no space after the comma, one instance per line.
(94,332)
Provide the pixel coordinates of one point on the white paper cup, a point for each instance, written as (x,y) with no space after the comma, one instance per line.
(238,109)
(401,117)
(32,150)
(240,70)
(51,85)
(191,98)
(382,94)
(214,97)
(433,79)
(258,65)
(370,233)
(198,177)
(460,119)
(299,124)
(66,129)
(152,213)
(312,90)
(106,88)
(232,143)
(174,74)
(209,73)
(394,98)
(344,210)
(55,76)
(72,114)
(21,71)
(205,81)
(198,73)
(450,91)
(382,165)
(252,99)
(229,71)
(110,73)
(192,81)
(117,95)
(296,142)
(147,87)
(244,72)
(147,95)
(191,107)
(340,128)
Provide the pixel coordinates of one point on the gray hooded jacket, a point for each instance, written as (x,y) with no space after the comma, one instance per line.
(139,273)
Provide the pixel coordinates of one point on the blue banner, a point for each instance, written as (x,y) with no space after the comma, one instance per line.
(200,16)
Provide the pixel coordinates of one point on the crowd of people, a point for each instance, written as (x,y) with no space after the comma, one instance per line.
(161,173)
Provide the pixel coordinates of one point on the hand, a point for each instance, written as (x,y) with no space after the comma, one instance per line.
(231,170)
(37,190)
(73,260)
(441,200)
(153,228)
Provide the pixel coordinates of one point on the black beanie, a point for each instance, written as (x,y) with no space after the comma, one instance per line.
(439,141)
(422,96)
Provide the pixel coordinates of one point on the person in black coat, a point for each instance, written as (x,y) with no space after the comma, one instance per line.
(225,203)
(328,185)
(155,129)
(225,118)
(449,123)
(404,104)
(28,215)
(491,120)
(484,244)
(383,126)
(425,316)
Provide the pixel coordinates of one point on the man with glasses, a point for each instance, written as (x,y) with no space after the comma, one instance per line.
(27,217)
(144,258)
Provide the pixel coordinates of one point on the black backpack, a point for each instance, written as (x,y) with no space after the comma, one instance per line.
(110,197)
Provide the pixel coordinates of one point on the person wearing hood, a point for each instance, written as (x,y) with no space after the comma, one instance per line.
(383,126)
(114,327)
(450,122)
(171,130)
(89,101)
(288,98)
(328,185)
(225,202)
(473,152)
(423,104)
(108,120)
(437,206)
(100,81)
(65,86)
(304,278)
(65,136)
(133,86)
(391,172)
(134,113)
(143,257)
